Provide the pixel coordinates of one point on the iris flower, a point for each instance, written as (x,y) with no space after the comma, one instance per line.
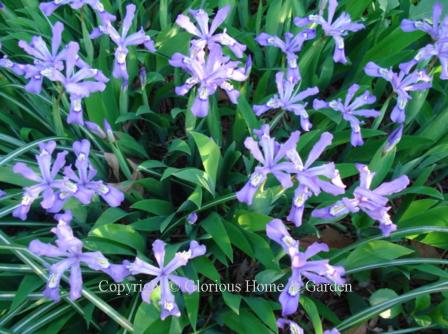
(164,274)
(351,109)
(206,34)
(317,271)
(335,28)
(373,202)
(271,156)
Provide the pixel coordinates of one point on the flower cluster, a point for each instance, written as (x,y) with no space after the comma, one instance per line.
(66,67)
(70,249)
(439,34)
(284,162)
(63,66)
(79,183)
(208,67)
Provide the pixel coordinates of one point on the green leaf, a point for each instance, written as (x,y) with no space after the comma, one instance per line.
(233,301)
(252,221)
(214,226)
(384,295)
(155,206)
(245,323)
(387,5)
(374,251)
(210,156)
(263,309)
(313,313)
(110,216)
(145,316)
(205,267)
(27,285)
(123,234)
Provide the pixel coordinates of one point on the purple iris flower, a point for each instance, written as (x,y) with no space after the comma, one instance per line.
(46,183)
(209,74)
(192,218)
(17,69)
(312,179)
(294,328)
(336,28)
(394,138)
(97,130)
(270,154)
(332,331)
(80,184)
(206,34)
(164,274)
(79,84)
(438,32)
(372,202)
(318,271)
(402,83)
(123,41)
(351,109)
(45,60)
(289,99)
(49,7)
(290,46)
(69,248)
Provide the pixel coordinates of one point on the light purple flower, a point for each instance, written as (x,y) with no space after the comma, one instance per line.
(336,28)
(438,32)
(316,271)
(206,34)
(351,109)
(402,83)
(69,248)
(17,69)
(80,183)
(97,130)
(394,138)
(49,7)
(164,275)
(312,180)
(372,202)
(123,41)
(46,183)
(45,60)
(2,193)
(192,218)
(79,84)
(290,46)
(209,74)
(288,99)
(294,328)
(332,331)
(270,154)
